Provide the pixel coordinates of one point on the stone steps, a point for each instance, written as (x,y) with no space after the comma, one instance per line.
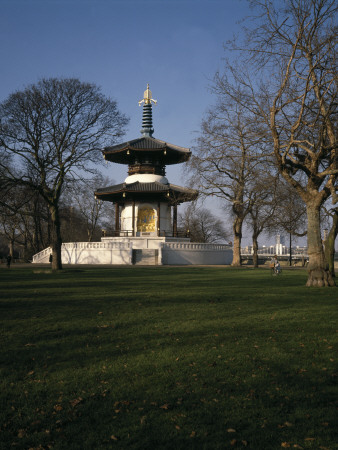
(145,257)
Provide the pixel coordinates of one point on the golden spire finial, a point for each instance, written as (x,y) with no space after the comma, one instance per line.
(147,97)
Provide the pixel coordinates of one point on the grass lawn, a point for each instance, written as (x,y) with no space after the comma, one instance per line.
(166,358)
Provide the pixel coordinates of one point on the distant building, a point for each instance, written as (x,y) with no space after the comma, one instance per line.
(279,249)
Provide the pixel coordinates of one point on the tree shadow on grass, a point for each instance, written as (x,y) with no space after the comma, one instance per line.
(148,386)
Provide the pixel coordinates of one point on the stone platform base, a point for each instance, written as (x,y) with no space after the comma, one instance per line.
(141,251)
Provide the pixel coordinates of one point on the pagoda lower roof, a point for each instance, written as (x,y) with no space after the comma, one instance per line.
(155,190)
(167,153)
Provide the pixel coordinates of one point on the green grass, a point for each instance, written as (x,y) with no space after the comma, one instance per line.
(166,358)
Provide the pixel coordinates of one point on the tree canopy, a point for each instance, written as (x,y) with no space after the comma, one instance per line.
(54,130)
(283,80)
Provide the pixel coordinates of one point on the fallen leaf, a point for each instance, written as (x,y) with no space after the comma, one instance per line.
(114,438)
(143,419)
(288,424)
(297,446)
(165,406)
(37,422)
(177,427)
(231,430)
(285,444)
(21,433)
(58,407)
(309,439)
(193,434)
(233,442)
(76,401)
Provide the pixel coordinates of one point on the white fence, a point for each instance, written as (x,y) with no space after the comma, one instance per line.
(176,253)
(43,256)
(90,253)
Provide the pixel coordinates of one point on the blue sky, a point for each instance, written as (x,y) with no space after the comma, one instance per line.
(121,45)
(175,46)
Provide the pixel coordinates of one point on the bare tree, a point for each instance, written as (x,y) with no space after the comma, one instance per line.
(202,225)
(14,200)
(25,213)
(10,229)
(73,227)
(289,215)
(227,157)
(92,211)
(53,130)
(263,205)
(293,52)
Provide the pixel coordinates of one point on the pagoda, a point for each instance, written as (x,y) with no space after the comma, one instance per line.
(146,203)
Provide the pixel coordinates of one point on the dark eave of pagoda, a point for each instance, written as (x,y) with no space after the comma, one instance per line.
(153,191)
(166,153)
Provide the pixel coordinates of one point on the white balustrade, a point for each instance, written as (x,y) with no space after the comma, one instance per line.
(195,246)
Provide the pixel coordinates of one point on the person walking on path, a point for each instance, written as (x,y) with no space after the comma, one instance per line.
(9,259)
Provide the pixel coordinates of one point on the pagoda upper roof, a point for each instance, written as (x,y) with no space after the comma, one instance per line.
(171,192)
(125,153)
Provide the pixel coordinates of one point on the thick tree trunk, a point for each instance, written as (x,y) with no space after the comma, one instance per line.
(319,274)
(56,242)
(255,250)
(329,244)
(237,228)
